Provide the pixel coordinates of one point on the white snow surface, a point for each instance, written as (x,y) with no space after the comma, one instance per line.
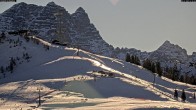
(68,82)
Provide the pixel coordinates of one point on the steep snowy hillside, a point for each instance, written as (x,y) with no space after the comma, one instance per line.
(70,81)
(44,21)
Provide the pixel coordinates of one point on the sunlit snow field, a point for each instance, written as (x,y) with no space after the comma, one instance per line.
(68,82)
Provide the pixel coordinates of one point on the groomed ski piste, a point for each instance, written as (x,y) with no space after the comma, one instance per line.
(68,81)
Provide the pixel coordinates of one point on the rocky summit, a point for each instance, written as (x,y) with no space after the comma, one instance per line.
(169,52)
(44,21)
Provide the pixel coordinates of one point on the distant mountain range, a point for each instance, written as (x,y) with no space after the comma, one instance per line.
(78,28)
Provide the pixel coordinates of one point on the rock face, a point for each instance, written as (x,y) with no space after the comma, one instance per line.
(169,52)
(87,35)
(43,20)
(193,57)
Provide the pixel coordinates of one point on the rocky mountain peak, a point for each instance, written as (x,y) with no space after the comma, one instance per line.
(21,4)
(81,19)
(80,13)
(51,4)
(169,52)
(44,22)
(17,6)
(81,10)
(167,45)
(167,42)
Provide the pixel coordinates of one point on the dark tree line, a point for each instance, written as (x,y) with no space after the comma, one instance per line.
(9,68)
(12,64)
(154,67)
(173,73)
(132,59)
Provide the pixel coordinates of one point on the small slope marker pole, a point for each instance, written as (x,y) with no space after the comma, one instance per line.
(39,88)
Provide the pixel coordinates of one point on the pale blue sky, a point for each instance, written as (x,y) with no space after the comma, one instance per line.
(140,24)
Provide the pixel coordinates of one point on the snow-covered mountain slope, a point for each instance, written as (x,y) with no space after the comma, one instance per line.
(44,21)
(65,77)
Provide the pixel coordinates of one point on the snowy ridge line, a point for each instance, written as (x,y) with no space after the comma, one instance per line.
(96,58)
(42,41)
(90,54)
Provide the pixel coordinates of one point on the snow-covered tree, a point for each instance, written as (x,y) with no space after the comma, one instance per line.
(11,67)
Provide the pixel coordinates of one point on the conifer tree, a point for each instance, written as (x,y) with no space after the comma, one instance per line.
(159,69)
(11,67)
(127,59)
(137,60)
(132,59)
(2,69)
(12,60)
(175,73)
(192,79)
(181,78)
(153,68)
(147,64)
(175,93)
(183,96)
(3,35)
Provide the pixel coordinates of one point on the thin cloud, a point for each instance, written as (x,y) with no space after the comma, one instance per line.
(114,2)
